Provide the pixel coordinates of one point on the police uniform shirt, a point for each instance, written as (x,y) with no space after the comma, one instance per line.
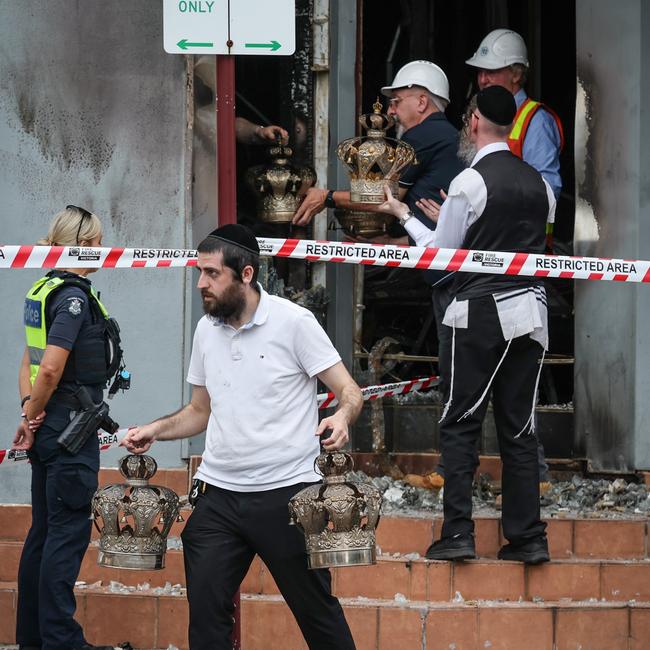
(68,312)
(435,141)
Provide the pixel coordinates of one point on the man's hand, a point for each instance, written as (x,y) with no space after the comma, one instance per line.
(340,382)
(310,206)
(138,440)
(24,438)
(393,205)
(272,133)
(337,424)
(430,208)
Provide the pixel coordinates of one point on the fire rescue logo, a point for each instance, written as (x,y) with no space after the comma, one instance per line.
(488,259)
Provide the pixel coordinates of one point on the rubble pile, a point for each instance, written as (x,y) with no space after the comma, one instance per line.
(596,498)
(582,497)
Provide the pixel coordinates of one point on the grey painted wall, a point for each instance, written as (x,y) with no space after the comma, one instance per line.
(612,375)
(92,112)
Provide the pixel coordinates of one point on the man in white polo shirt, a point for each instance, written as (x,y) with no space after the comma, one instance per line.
(254,365)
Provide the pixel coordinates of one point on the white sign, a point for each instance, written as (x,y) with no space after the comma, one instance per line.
(229,26)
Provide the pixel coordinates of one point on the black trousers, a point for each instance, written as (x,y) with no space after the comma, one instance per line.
(478,350)
(441,298)
(223,535)
(62,489)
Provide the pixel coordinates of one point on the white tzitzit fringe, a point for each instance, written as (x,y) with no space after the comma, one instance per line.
(487,388)
(451,383)
(531,418)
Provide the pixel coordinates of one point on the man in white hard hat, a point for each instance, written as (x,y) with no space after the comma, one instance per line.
(418,96)
(537,137)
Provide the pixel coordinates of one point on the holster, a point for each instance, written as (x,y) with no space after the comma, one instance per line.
(86,422)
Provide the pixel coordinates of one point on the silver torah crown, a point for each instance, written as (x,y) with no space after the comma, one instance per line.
(135,517)
(279,186)
(337,517)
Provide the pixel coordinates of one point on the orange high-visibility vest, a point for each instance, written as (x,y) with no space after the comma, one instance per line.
(517,136)
(521,123)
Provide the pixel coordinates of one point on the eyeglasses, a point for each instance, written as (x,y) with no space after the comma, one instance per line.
(84,214)
(394,101)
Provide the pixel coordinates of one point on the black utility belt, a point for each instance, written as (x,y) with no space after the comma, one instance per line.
(66,399)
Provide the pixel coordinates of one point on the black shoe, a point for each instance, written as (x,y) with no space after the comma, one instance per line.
(29,647)
(534,551)
(456,547)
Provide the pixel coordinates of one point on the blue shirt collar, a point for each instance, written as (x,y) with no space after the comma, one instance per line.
(520,97)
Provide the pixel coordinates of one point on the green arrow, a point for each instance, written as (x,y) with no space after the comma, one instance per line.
(183,44)
(273,45)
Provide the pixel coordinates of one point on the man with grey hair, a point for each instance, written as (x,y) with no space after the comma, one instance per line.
(418,96)
(536,135)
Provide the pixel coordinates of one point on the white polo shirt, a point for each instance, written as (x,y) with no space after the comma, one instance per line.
(261,379)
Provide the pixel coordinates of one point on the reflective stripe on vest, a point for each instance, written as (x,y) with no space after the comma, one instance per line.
(521,123)
(35,318)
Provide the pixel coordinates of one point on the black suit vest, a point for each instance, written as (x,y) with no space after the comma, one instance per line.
(514,219)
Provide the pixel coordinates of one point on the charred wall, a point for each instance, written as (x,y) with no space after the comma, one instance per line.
(612,220)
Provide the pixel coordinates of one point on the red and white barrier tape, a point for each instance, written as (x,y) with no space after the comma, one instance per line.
(414,257)
(325,400)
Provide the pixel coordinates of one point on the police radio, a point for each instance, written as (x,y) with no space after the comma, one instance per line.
(115,355)
(122,381)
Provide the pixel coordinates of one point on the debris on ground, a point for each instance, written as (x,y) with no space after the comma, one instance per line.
(580,497)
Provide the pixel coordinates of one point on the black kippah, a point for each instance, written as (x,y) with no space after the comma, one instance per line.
(497,105)
(237,235)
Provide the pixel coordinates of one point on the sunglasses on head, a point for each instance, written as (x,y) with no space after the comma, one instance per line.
(84,214)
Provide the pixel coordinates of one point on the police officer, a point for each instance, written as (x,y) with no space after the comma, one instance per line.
(66,350)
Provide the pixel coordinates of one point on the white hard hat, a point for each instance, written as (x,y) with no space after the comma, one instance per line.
(420,73)
(499,49)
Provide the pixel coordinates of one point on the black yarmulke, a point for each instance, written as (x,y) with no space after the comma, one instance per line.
(238,235)
(496,104)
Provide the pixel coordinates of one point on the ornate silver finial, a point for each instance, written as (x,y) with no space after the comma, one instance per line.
(337,517)
(136,517)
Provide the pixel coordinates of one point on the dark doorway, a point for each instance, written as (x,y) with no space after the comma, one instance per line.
(448,33)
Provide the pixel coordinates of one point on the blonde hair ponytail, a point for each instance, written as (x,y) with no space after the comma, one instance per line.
(70,227)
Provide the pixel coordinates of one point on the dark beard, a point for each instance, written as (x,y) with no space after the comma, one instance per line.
(466,148)
(229,307)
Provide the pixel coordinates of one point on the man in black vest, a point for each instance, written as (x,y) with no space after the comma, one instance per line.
(499,327)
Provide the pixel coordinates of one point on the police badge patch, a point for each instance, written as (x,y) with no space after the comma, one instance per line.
(74,306)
